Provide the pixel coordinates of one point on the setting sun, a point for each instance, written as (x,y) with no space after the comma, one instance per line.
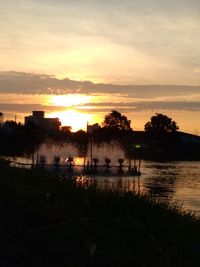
(72,118)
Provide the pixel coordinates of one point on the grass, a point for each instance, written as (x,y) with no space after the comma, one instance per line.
(50,222)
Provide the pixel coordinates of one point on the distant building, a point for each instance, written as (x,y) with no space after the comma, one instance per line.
(189,139)
(38,119)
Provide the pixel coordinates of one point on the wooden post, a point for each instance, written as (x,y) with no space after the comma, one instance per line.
(139,165)
(33,160)
(84,159)
(134,163)
(91,154)
(129,166)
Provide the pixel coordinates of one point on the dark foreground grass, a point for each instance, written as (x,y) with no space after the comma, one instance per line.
(47,222)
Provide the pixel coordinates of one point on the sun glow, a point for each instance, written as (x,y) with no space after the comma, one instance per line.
(69,100)
(75,119)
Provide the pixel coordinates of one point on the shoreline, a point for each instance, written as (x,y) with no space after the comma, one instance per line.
(52,222)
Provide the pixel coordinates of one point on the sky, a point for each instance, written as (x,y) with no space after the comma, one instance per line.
(83,58)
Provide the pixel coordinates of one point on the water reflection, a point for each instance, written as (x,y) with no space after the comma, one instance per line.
(163,187)
(175,181)
(178,182)
(110,183)
(162,179)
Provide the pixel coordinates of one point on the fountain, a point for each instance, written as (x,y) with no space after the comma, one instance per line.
(66,158)
(107,169)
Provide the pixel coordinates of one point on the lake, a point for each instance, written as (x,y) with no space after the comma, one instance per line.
(178,182)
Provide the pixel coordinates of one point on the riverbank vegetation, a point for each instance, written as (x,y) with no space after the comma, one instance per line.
(50,221)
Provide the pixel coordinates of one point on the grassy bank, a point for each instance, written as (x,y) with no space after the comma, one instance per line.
(48,222)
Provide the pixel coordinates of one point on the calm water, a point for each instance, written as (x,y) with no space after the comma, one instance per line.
(177,182)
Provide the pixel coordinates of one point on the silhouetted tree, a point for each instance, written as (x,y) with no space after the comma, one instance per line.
(161,124)
(66,129)
(162,136)
(33,137)
(80,139)
(116,121)
(11,124)
(1,117)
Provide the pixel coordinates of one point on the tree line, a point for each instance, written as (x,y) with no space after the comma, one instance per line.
(17,139)
(158,123)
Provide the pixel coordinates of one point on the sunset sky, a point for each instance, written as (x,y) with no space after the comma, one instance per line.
(80,59)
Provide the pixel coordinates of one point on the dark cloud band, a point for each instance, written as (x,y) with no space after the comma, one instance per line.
(105,107)
(28,83)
